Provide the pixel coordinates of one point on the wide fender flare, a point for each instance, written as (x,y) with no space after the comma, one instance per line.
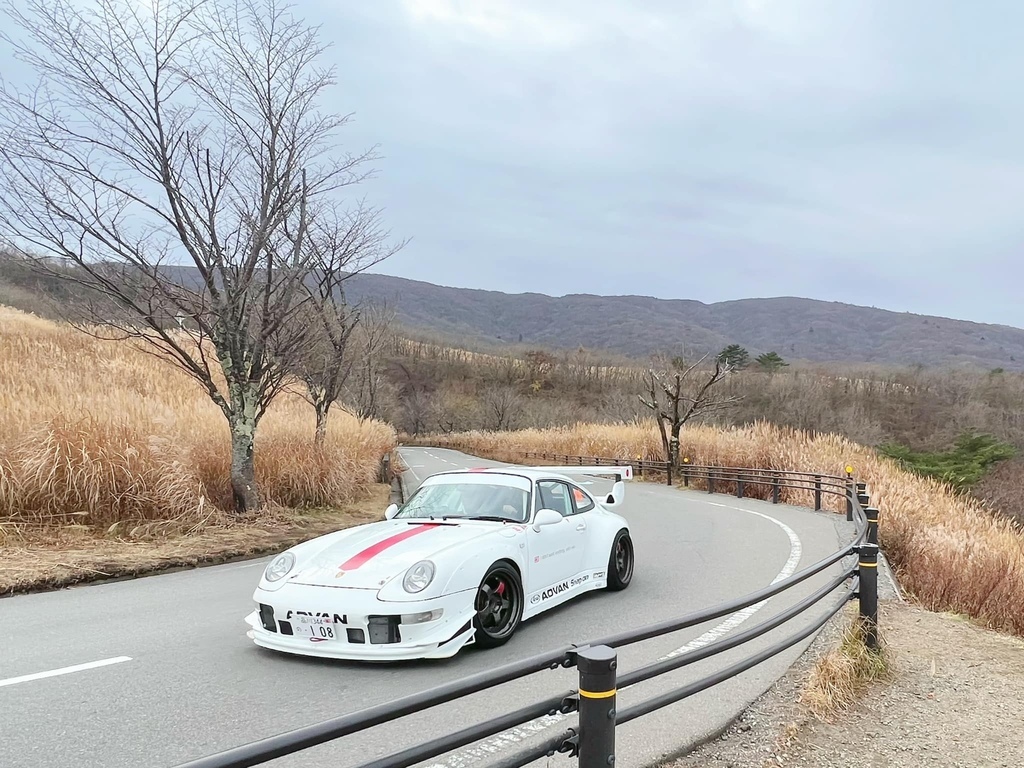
(606,527)
(468,574)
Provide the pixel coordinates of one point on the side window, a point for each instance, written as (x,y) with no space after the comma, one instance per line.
(580,500)
(555,495)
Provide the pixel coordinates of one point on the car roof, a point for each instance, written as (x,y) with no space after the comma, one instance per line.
(530,473)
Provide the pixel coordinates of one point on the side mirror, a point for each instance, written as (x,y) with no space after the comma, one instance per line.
(391,511)
(546,517)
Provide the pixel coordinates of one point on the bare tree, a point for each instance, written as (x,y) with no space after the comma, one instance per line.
(362,389)
(502,405)
(341,244)
(679,392)
(171,157)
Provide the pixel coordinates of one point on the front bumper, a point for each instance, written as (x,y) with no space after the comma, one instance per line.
(365,628)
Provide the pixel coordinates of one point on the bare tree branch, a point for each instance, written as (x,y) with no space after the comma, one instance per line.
(171,164)
(678,393)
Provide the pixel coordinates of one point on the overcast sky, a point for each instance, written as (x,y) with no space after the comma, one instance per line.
(866,151)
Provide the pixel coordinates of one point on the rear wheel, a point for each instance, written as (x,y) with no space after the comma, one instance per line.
(620,562)
(499,605)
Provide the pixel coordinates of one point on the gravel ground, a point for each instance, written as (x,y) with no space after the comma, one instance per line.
(956,699)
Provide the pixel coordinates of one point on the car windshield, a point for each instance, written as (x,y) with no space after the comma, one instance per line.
(481,501)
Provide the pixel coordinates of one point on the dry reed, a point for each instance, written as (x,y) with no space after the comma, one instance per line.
(99,434)
(948,551)
(839,675)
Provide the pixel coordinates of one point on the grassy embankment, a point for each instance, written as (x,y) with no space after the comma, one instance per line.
(114,462)
(948,551)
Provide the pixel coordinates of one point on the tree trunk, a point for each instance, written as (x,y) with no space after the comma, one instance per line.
(243,467)
(664,440)
(321,423)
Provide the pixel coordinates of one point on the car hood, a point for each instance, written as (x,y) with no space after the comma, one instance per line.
(368,556)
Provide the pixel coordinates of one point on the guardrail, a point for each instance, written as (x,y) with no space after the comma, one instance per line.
(592,741)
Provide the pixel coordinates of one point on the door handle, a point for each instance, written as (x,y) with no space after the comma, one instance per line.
(581,527)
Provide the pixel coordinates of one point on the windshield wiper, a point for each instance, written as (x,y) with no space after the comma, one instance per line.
(491,518)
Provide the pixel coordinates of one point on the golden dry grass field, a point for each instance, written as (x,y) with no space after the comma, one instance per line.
(99,439)
(949,552)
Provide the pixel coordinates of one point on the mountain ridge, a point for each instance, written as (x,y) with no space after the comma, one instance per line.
(798,328)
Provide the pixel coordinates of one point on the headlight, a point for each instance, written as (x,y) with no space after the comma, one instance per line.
(279,567)
(419,576)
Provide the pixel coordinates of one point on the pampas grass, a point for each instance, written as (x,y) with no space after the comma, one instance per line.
(99,434)
(949,552)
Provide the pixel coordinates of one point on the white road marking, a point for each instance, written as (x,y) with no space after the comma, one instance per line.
(733,621)
(515,735)
(64,670)
(247,565)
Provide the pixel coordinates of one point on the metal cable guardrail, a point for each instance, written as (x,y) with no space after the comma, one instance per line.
(593,740)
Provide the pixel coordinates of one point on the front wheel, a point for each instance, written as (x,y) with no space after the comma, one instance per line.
(620,562)
(499,606)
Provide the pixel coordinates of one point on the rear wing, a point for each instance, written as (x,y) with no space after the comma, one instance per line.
(625,472)
(620,473)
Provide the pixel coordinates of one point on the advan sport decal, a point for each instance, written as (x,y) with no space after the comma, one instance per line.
(559,588)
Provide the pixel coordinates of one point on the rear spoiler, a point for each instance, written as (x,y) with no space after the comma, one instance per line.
(620,473)
(625,472)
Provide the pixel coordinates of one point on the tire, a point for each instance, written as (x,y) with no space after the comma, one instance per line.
(499,605)
(620,562)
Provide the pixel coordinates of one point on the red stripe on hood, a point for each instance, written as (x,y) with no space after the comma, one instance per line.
(369,553)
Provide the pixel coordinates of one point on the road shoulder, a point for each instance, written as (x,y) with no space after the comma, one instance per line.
(63,558)
(955,695)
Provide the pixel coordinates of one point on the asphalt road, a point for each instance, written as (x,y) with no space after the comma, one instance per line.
(179,679)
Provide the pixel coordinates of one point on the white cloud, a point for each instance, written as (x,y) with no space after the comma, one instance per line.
(503,20)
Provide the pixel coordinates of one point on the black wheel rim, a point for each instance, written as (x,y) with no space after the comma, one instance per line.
(497,604)
(623,558)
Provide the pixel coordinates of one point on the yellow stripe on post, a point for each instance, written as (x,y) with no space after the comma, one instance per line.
(597,694)
(868,565)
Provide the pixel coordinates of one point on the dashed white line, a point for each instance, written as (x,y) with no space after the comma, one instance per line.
(64,670)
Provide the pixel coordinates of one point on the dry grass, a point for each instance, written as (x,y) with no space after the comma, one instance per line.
(71,555)
(949,552)
(98,434)
(839,676)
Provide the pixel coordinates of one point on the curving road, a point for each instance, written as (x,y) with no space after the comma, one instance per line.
(157,670)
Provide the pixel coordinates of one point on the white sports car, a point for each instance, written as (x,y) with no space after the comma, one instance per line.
(469,556)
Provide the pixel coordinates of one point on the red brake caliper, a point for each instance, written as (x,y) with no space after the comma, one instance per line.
(501,588)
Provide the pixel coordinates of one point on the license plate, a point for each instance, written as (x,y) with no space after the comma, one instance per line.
(320,627)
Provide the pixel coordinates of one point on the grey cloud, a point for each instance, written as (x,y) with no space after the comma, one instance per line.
(865,152)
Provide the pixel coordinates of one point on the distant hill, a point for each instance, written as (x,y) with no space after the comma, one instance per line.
(635,326)
(798,329)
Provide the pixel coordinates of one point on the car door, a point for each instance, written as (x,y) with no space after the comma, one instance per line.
(556,551)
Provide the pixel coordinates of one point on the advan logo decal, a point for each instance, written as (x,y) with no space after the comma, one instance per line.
(558,589)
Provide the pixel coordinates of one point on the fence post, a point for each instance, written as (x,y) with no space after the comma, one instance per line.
(668,471)
(739,485)
(597,706)
(817,493)
(686,472)
(868,593)
(775,487)
(862,491)
(711,480)
(850,488)
(871,513)
(640,465)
